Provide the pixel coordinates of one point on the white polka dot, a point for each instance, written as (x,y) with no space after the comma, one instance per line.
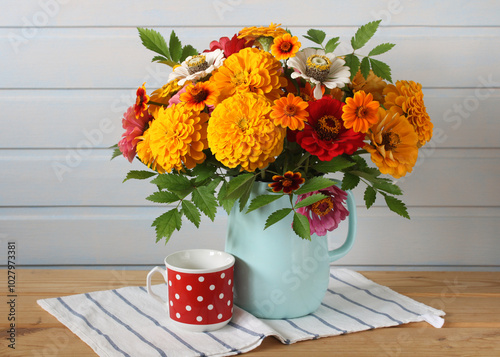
(177,296)
(199,318)
(229,282)
(210,307)
(171,303)
(212,287)
(188,308)
(219,316)
(201,279)
(199,298)
(189,288)
(178,277)
(229,303)
(222,275)
(178,315)
(170,282)
(221,296)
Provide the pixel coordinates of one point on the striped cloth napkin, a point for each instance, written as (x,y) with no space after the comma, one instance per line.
(129,322)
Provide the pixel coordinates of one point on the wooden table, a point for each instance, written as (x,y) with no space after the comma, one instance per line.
(470,299)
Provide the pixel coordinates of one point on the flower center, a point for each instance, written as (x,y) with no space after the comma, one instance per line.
(328,127)
(390,141)
(197,63)
(199,94)
(238,79)
(286,46)
(287,183)
(361,112)
(318,67)
(242,123)
(322,207)
(290,110)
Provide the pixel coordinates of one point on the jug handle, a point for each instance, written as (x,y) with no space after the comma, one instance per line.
(351,233)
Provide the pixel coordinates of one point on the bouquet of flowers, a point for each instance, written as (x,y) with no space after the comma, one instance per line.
(260,106)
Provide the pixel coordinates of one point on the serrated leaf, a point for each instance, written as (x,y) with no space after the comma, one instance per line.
(239,185)
(301,226)
(382,48)
(214,183)
(166,224)
(365,67)
(338,163)
(396,206)
(205,200)
(139,175)
(163,197)
(154,41)
(310,200)
(315,184)
(116,153)
(187,51)
(352,61)
(261,201)
(388,187)
(175,183)
(175,47)
(203,172)
(364,34)
(277,216)
(381,69)
(332,44)
(160,59)
(369,196)
(245,196)
(316,36)
(191,212)
(350,181)
(227,204)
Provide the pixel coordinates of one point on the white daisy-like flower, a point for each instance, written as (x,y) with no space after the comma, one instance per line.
(319,67)
(197,67)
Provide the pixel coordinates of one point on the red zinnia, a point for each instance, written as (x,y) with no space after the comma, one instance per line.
(287,183)
(325,134)
(229,46)
(141,101)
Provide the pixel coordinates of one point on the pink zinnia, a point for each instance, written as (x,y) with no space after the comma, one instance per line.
(326,214)
(134,127)
(229,46)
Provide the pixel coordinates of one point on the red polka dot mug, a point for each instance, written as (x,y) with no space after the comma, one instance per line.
(200,288)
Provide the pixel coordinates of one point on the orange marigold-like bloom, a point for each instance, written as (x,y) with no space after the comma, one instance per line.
(141,101)
(240,132)
(360,112)
(287,183)
(199,95)
(176,138)
(406,98)
(252,33)
(290,112)
(145,153)
(285,46)
(162,96)
(372,84)
(393,144)
(250,70)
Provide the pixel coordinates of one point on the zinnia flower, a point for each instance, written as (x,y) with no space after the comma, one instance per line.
(360,112)
(253,33)
(406,98)
(250,70)
(134,128)
(290,112)
(319,68)
(393,144)
(287,183)
(229,46)
(145,153)
(324,134)
(197,67)
(177,138)
(240,132)
(162,96)
(141,101)
(199,95)
(372,84)
(326,214)
(285,46)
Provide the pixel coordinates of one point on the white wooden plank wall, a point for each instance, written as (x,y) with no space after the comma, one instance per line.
(69,69)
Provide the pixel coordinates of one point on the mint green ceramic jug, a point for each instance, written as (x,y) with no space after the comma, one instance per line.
(277,274)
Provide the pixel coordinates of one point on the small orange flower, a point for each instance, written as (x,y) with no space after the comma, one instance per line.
(285,46)
(290,112)
(198,95)
(287,183)
(141,102)
(360,112)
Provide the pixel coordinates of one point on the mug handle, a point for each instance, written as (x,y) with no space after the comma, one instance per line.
(351,233)
(148,283)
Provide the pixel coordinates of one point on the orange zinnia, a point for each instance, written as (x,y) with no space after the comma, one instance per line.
(290,112)
(198,95)
(252,33)
(360,112)
(285,46)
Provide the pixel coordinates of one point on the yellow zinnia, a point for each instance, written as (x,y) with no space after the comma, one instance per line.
(252,33)
(175,139)
(393,144)
(372,84)
(145,154)
(406,98)
(162,96)
(241,132)
(250,70)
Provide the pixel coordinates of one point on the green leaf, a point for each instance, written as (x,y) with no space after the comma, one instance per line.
(277,216)
(205,200)
(139,175)
(163,197)
(316,36)
(365,67)
(315,184)
(191,212)
(175,183)
(175,47)
(381,69)
(244,197)
(350,181)
(396,206)
(227,204)
(301,226)
(187,51)
(160,59)
(167,223)
(369,196)
(332,44)
(310,200)
(338,163)
(261,201)
(364,34)
(382,48)
(154,41)
(388,187)
(352,61)
(239,185)
(116,153)
(203,172)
